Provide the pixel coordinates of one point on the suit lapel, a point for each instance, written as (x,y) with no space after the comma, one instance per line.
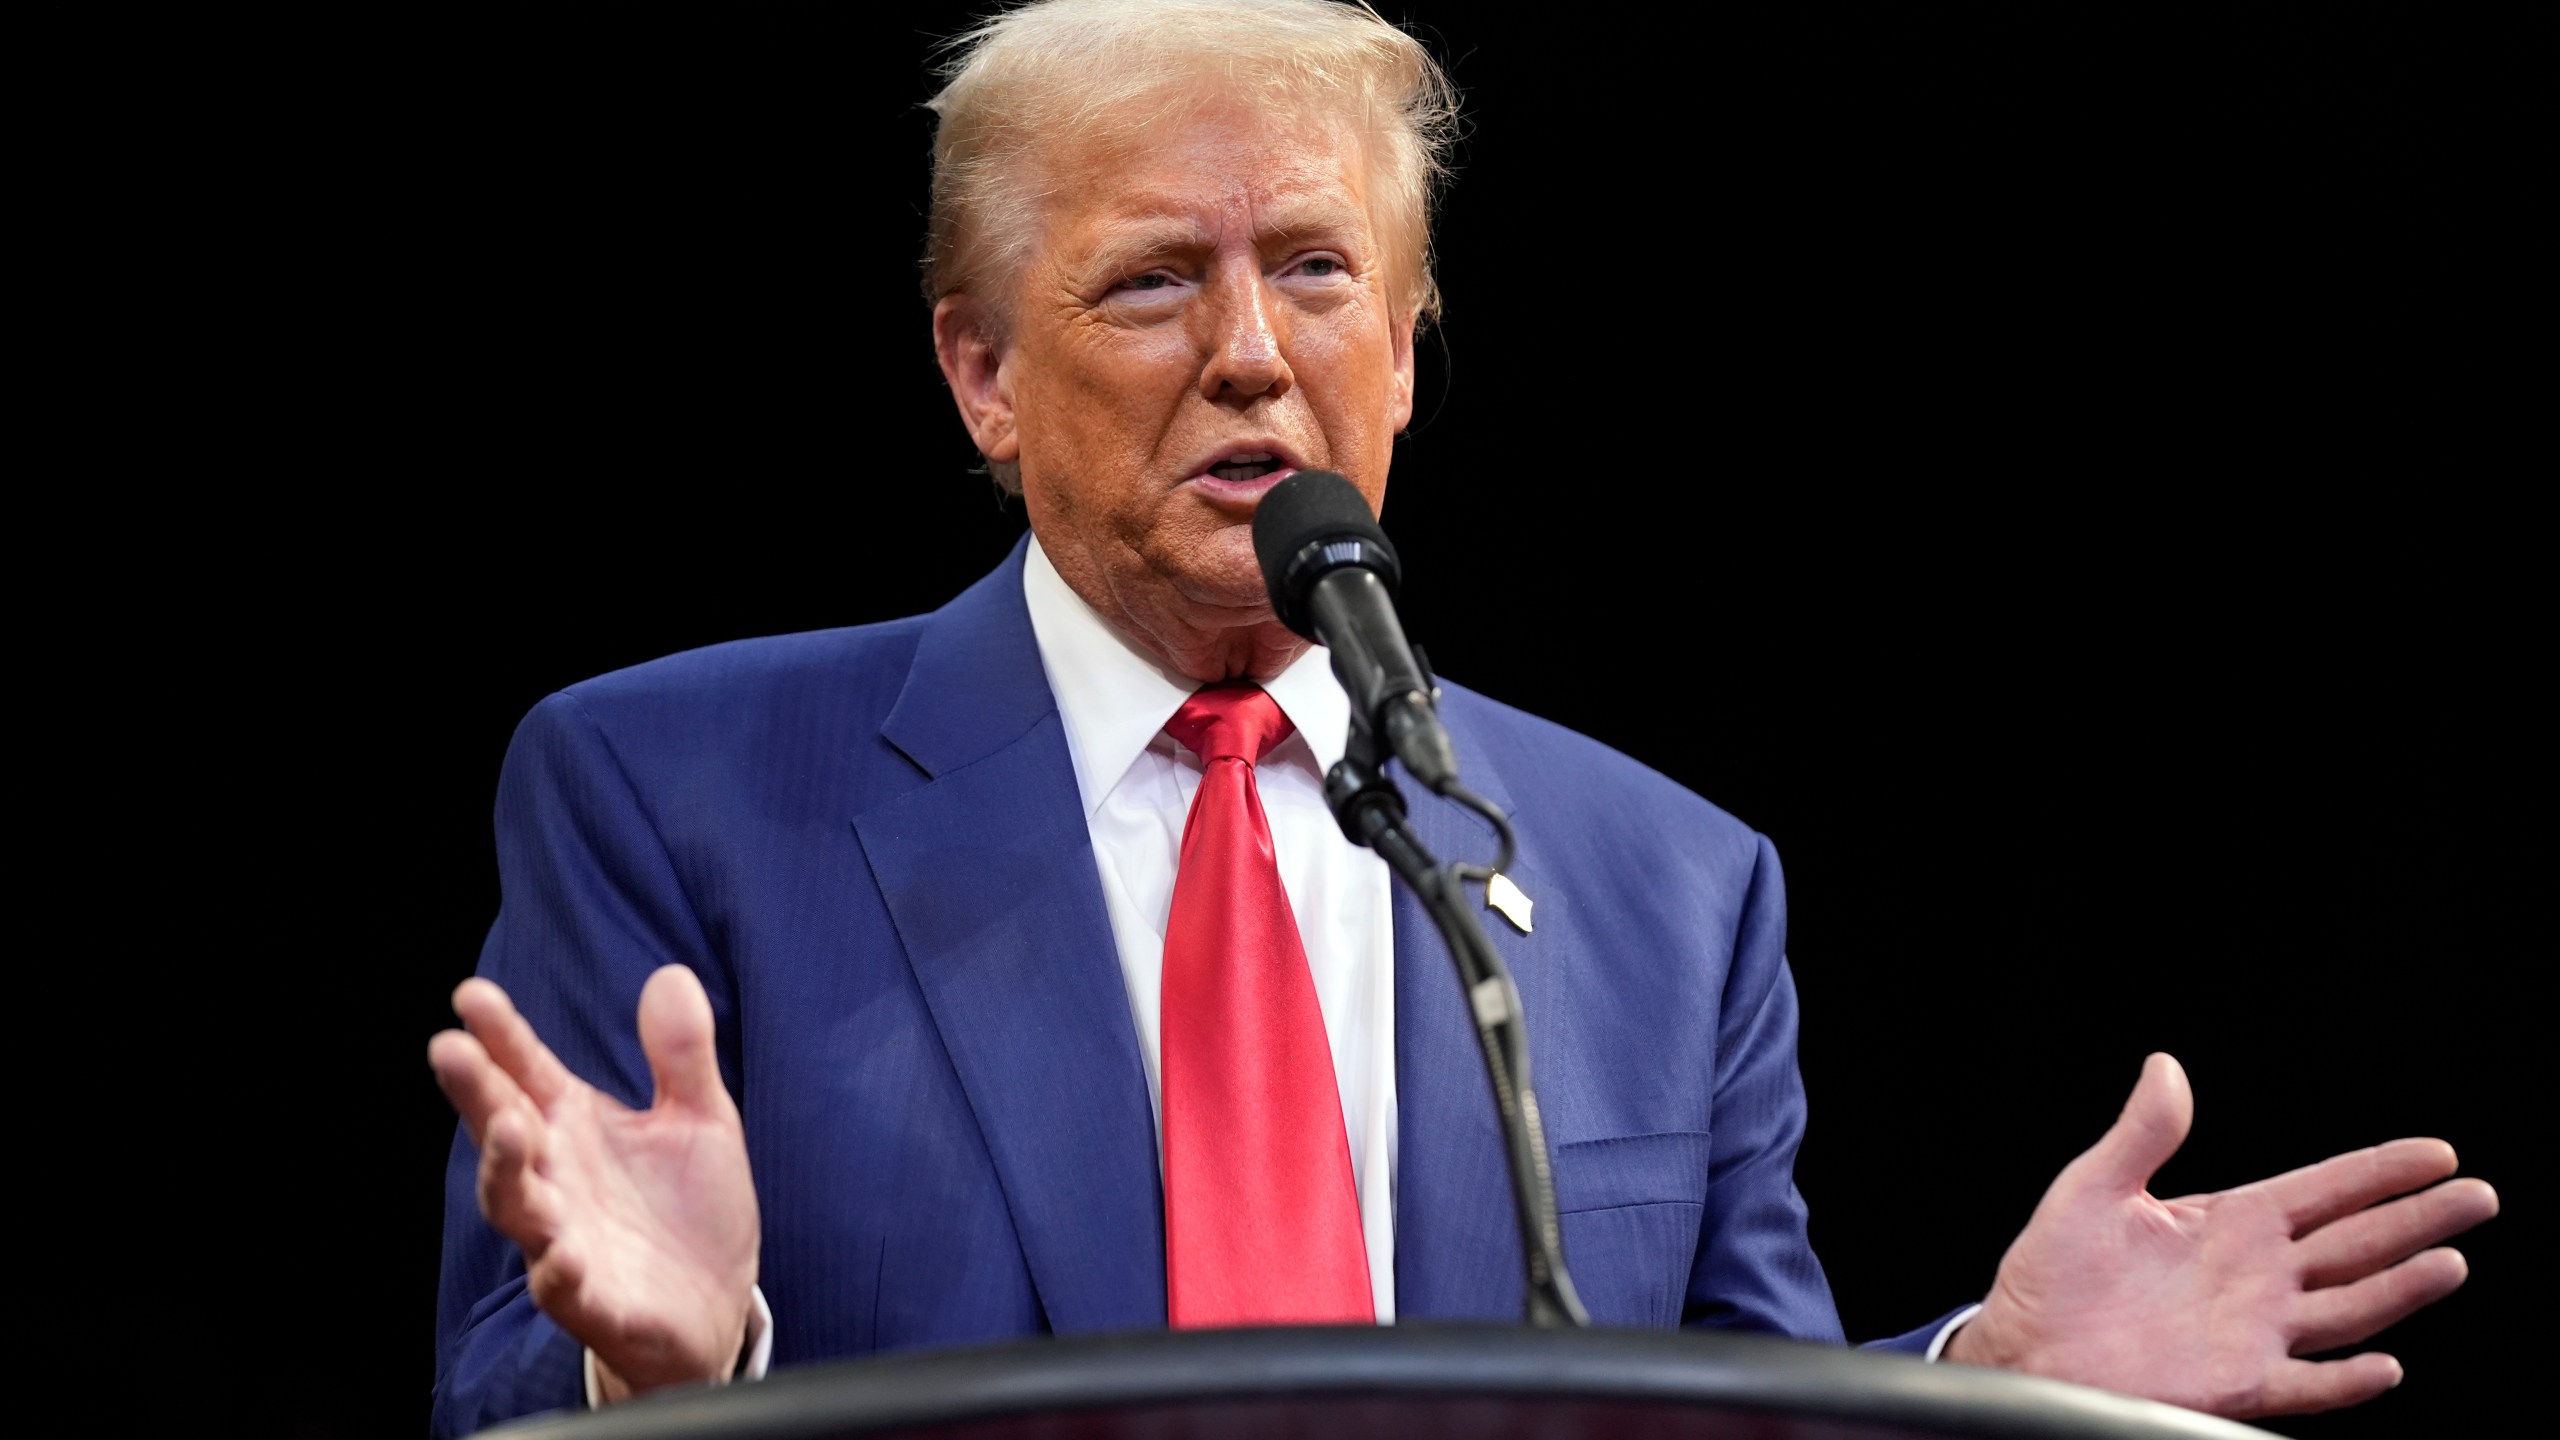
(1457,1244)
(988,872)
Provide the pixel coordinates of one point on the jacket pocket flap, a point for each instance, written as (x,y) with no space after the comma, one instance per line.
(1665,1168)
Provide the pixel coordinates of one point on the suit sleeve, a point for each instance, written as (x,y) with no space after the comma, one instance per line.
(590,906)
(1755,1268)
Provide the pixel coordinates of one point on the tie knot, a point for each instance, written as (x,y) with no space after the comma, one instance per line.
(1230,722)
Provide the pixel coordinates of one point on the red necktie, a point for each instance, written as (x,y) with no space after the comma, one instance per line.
(1261,1221)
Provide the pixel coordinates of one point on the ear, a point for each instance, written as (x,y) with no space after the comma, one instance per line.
(1400,405)
(972,358)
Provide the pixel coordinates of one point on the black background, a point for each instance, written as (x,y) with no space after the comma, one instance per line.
(2061,471)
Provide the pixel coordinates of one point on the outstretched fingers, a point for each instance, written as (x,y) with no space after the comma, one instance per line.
(479,1089)
(2299,1387)
(2350,1249)
(513,1192)
(2344,1184)
(493,1020)
(2346,1314)
(509,1131)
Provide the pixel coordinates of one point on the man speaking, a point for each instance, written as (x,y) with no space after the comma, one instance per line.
(1002,971)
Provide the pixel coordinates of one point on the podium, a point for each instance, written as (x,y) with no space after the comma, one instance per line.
(1404,1381)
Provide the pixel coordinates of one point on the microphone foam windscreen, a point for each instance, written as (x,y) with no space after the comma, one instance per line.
(1309,525)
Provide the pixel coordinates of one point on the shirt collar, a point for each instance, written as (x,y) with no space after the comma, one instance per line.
(1114,698)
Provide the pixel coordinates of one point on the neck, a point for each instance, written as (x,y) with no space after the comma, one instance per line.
(1206,648)
(1194,637)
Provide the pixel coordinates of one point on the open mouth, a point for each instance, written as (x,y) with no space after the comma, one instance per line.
(1244,468)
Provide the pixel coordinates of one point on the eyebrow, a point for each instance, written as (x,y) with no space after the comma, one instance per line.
(1124,243)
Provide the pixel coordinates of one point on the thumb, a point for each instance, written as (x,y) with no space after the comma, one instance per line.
(676,1035)
(2152,1127)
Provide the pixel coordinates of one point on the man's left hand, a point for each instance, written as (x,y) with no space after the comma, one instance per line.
(2207,1301)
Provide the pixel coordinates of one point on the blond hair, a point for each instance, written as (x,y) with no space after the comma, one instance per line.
(1109,68)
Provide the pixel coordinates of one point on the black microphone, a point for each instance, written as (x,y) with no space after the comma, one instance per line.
(1333,580)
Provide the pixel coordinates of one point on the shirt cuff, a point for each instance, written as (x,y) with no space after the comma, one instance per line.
(755,1357)
(1937,1343)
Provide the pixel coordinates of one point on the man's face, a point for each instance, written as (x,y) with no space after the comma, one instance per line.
(1204,311)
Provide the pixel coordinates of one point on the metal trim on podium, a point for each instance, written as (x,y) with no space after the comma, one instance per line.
(1401,1381)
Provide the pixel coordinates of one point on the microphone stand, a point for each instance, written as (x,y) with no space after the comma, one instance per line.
(1371,811)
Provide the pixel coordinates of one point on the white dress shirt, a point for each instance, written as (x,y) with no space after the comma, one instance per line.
(1137,783)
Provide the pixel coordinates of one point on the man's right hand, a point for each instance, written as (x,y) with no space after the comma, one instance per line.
(639,1227)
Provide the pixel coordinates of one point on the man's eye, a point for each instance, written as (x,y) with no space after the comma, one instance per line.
(1320,266)
(1152,280)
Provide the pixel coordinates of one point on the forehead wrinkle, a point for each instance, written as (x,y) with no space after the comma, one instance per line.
(1328,166)
(1297,217)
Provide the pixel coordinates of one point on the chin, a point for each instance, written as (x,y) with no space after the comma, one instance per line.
(1220,570)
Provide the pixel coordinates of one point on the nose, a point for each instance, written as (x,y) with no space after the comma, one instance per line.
(1248,340)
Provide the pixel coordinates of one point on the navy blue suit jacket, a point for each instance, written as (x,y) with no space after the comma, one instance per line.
(869,844)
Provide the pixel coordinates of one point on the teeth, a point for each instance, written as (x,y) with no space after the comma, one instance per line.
(1244,467)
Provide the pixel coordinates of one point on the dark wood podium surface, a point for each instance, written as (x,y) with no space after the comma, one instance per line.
(1401,1381)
